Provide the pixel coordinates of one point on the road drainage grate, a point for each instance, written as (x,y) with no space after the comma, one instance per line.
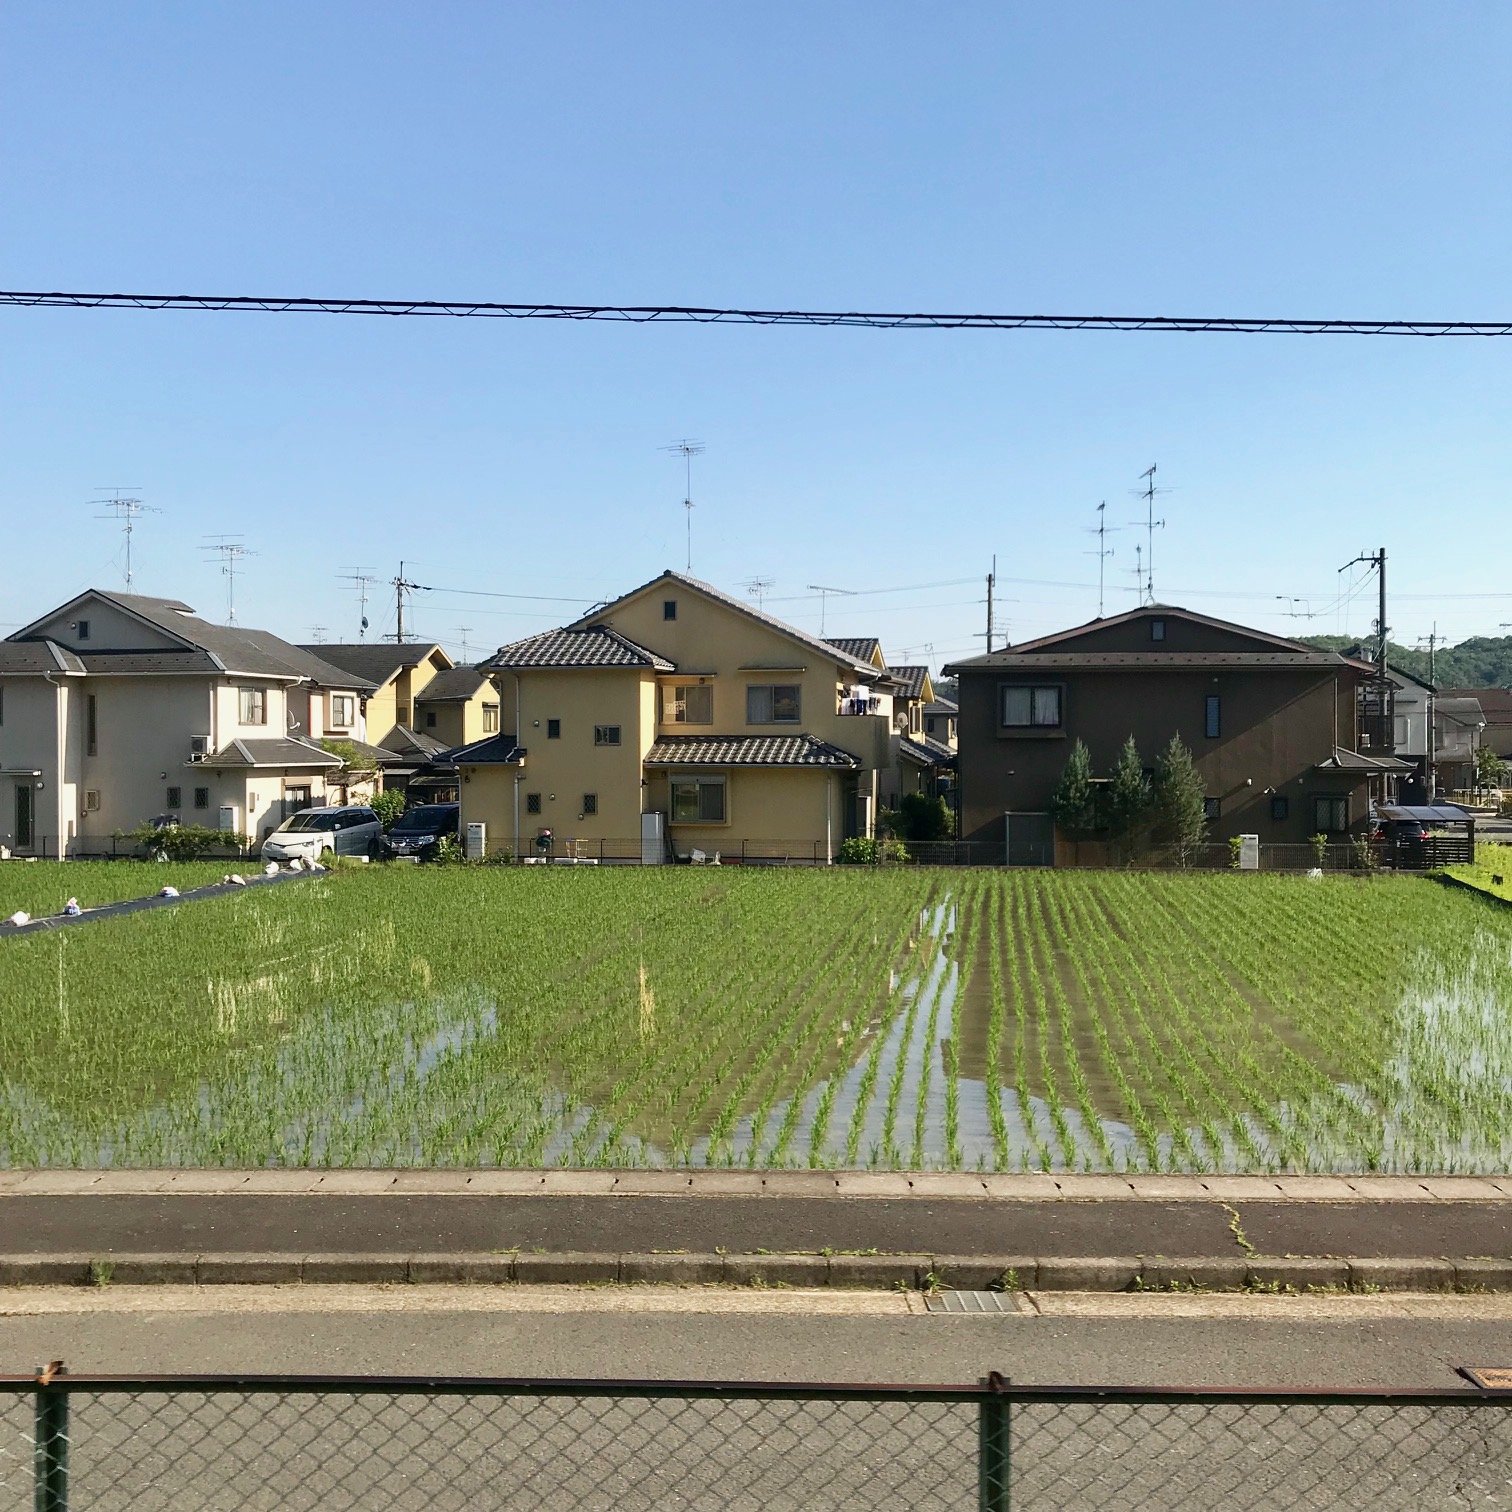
(971,1302)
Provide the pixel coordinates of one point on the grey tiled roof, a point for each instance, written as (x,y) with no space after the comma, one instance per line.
(270,753)
(1261,637)
(455,685)
(942,706)
(749,750)
(912,679)
(1050,661)
(409,742)
(36,656)
(859,646)
(376,663)
(925,750)
(591,646)
(825,648)
(492,750)
(161,663)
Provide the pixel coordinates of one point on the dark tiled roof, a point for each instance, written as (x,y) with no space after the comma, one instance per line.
(825,648)
(1358,761)
(493,750)
(912,679)
(409,742)
(859,646)
(378,755)
(749,750)
(1495,703)
(37,656)
(592,646)
(925,750)
(270,753)
(375,663)
(161,663)
(1040,661)
(455,685)
(1261,637)
(942,706)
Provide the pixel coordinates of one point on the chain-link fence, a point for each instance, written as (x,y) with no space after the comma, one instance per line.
(245,1444)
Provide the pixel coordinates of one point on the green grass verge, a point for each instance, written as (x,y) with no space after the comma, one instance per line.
(43,887)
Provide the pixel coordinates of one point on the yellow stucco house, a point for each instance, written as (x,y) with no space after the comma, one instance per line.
(679,719)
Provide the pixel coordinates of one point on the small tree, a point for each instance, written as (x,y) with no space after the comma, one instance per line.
(921,816)
(388,805)
(1073,804)
(1179,808)
(1127,805)
(183,842)
(1488,768)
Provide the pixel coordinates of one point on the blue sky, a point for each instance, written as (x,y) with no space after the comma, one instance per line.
(1262,159)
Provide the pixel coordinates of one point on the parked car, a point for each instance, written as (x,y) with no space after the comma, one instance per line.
(418,831)
(316,833)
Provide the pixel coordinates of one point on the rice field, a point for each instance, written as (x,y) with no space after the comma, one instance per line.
(43,887)
(894,1019)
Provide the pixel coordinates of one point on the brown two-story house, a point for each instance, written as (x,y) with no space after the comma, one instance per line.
(1271,723)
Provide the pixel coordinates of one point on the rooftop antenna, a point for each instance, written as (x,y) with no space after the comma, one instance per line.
(824,593)
(462,632)
(1294,612)
(758,588)
(1151,525)
(125,510)
(1139,586)
(1104,551)
(318,634)
(361,581)
(687,450)
(230,550)
(401,586)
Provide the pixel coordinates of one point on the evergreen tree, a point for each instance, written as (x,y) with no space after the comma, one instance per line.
(1073,804)
(1180,816)
(1128,800)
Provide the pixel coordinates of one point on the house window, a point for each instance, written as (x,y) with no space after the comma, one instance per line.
(590,804)
(698,800)
(343,711)
(688,703)
(202,798)
(91,723)
(175,798)
(669,609)
(777,704)
(490,719)
(1032,707)
(1157,630)
(553,729)
(1211,808)
(402,715)
(92,801)
(254,706)
(83,630)
(929,725)
(606,735)
(1331,813)
(1212,719)
(532,803)
(430,719)
(1280,808)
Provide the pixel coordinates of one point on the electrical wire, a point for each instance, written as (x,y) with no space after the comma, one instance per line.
(699,315)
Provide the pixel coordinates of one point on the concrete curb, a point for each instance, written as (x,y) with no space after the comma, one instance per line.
(1059,1186)
(1113,1273)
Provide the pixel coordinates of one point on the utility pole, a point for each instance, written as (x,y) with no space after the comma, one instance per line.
(401,586)
(1103,552)
(1382,737)
(1429,773)
(991,581)
(824,592)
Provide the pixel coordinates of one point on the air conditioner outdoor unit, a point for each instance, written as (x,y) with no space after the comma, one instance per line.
(199,747)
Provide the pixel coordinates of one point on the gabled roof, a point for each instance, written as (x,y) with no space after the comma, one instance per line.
(377,663)
(286,752)
(827,649)
(912,678)
(939,705)
(1168,611)
(865,648)
(37,656)
(229,648)
(1359,761)
(1147,661)
(492,750)
(414,744)
(594,646)
(924,750)
(749,751)
(1495,703)
(455,685)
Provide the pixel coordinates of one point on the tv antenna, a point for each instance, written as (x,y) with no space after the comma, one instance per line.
(758,588)
(125,510)
(462,634)
(230,550)
(361,581)
(824,593)
(687,450)
(1294,612)
(1151,525)
(401,586)
(1102,531)
(318,634)
(1139,585)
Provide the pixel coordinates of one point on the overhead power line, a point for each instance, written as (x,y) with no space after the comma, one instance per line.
(699,315)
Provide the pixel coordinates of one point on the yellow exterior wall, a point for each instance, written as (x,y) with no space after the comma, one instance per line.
(763,805)
(459,723)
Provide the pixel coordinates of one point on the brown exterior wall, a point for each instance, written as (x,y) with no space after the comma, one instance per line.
(1276,725)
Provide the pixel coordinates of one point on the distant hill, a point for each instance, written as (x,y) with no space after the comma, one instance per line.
(1483,661)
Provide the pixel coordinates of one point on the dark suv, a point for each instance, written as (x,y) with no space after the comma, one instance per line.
(418,831)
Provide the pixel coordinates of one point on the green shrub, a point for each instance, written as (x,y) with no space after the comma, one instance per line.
(859,851)
(1073,802)
(921,816)
(388,805)
(1319,843)
(183,842)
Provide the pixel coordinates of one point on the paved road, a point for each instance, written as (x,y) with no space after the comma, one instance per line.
(327,1222)
(569,1453)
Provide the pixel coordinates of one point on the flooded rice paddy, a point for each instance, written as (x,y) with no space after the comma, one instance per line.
(898,1019)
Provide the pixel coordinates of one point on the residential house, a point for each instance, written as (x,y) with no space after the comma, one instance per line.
(117,708)
(1496,708)
(941,720)
(745,735)
(1272,725)
(1458,722)
(457,706)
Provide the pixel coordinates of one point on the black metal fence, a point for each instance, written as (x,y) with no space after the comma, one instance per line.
(115,848)
(172,1444)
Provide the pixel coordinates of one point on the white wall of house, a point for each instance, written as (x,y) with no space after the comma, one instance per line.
(109,628)
(29,741)
(1410,718)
